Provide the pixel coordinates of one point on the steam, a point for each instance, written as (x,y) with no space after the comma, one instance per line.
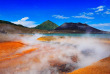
(62,55)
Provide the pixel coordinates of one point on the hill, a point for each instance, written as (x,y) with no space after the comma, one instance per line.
(77,28)
(8,27)
(47,25)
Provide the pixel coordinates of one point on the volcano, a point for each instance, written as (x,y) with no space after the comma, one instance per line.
(77,28)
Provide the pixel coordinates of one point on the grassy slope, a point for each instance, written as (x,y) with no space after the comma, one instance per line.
(47,25)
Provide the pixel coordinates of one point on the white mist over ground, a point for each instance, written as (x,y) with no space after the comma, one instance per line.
(61,55)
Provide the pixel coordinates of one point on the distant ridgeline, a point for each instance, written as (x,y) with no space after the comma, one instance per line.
(7,22)
(47,25)
(77,28)
(8,27)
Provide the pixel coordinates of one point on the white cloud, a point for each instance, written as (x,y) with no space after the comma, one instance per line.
(87,22)
(108,11)
(26,23)
(99,8)
(85,15)
(60,16)
(101,24)
(25,18)
(90,13)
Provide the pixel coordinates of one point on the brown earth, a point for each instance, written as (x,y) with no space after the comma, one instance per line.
(100,67)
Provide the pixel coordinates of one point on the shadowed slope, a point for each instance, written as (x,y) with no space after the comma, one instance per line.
(8,27)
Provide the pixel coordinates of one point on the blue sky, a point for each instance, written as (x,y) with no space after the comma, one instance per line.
(33,12)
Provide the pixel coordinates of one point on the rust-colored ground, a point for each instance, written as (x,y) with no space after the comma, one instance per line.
(49,38)
(10,58)
(8,48)
(100,67)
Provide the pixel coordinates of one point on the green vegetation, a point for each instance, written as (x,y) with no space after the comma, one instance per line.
(47,25)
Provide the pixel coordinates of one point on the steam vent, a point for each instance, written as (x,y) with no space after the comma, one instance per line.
(28,54)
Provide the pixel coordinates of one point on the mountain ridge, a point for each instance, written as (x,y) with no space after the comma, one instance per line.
(77,28)
(8,27)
